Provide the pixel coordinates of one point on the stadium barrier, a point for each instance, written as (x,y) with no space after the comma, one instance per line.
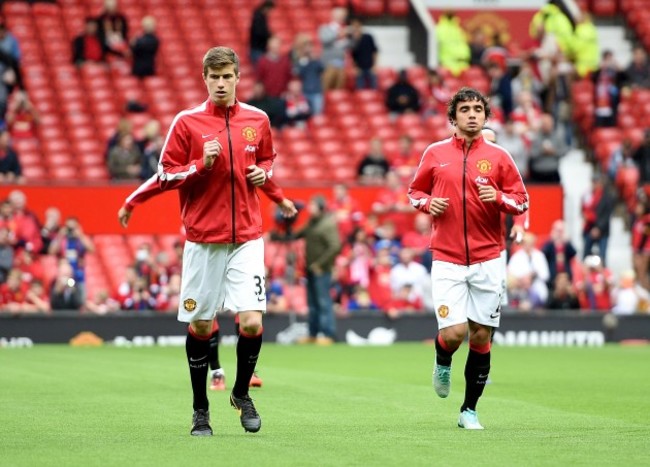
(149,329)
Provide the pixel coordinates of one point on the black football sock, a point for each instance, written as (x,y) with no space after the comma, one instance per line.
(443,354)
(477,370)
(248,350)
(197,349)
(213,356)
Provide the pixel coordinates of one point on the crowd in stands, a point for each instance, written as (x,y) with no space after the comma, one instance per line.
(384,263)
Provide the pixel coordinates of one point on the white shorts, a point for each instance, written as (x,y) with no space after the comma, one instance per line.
(221,276)
(467,292)
(504,295)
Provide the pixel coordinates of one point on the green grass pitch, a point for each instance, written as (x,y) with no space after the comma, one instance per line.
(338,405)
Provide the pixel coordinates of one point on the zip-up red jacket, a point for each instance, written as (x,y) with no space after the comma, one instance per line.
(218,205)
(469,231)
(150,188)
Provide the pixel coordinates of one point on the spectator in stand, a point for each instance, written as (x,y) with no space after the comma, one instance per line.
(454,53)
(274,69)
(637,74)
(379,286)
(275,107)
(411,273)
(584,45)
(101,303)
(402,97)
(141,298)
(528,270)
(597,208)
(360,300)
(50,228)
(36,299)
(406,159)
(144,49)
(557,95)
(10,169)
(527,81)
(22,117)
(113,29)
(127,286)
(512,142)
(364,55)
(297,105)
(335,43)
(526,116)
(563,295)
(386,237)
(477,45)
(29,265)
(125,159)
(372,169)
(641,158)
(501,88)
(88,46)
(6,253)
(151,156)
(628,297)
(359,258)
(169,297)
(124,127)
(276,300)
(547,148)
(8,42)
(65,293)
(418,239)
(72,245)
(608,81)
(309,69)
(12,292)
(641,243)
(440,94)
(392,203)
(622,156)
(260,33)
(559,252)
(594,285)
(25,225)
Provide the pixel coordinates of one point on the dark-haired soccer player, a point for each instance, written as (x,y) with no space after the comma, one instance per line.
(465,184)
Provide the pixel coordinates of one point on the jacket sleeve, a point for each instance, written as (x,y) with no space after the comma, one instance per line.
(419,192)
(512,197)
(147,190)
(266,154)
(175,167)
(273,191)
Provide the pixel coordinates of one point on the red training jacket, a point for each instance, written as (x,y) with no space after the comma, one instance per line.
(469,231)
(218,205)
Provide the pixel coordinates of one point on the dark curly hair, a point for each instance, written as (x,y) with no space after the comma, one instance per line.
(466,94)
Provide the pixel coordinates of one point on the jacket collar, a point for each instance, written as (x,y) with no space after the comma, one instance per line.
(213,109)
(461,144)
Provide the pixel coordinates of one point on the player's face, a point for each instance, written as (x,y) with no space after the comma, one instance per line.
(221,84)
(470,118)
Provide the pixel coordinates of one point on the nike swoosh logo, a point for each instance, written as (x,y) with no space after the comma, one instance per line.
(206,136)
(261,299)
(445,164)
(482,376)
(494,315)
(197,359)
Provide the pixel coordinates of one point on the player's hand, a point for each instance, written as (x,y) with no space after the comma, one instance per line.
(487,193)
(256,175)
(438,205)
(123,216)
(517,233)
(211,150)
(287,208)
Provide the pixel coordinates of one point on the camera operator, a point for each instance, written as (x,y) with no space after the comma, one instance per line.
(72,244)
(65,293)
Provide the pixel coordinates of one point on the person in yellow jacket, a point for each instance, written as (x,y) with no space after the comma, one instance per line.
(453,50)
(584,47)
(553,21)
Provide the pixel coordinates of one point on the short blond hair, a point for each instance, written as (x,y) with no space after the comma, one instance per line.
(220,57)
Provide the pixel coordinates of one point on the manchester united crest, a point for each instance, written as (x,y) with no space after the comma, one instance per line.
(443,311)
(249,133)
(484,166)
(189,304)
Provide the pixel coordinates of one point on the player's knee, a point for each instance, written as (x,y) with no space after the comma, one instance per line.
(201,328)
(250,323)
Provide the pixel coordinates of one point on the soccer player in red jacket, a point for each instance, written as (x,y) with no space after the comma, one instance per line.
(148,190)
(465,183)
(215,155)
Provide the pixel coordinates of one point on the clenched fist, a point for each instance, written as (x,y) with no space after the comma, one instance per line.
(211,150)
